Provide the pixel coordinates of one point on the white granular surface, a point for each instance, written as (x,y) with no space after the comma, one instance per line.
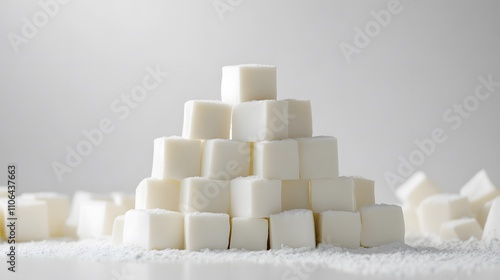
(420,257)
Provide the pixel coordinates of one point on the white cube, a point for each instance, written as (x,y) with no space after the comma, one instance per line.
(294,228)
(154,229)
(206,231)
(249,234)
(124,199)
(241,83)
(117,233)
(340,228)
(412,225)
(204,119)
(483,212)
(57,209)
(158,193)
(417,188)
(256,121)
(80,198)
(364,190)
(204,195)
(295,195)
(479,190)
(97,218)
(32,222)
(254,197)
(276,159)
(225,159)
(300,118)
(176,158)
(492,225)
(318,157)
(440,208)
(382,224)
(461,229)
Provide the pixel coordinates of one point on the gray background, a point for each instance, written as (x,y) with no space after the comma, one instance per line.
(395,91)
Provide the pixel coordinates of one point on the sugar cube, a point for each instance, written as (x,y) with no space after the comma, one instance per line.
(206,231)
(254,197)
(97,217)
(32,222)
(416,188)
(381,224)
(154,229)
(249,234)
(57,210)
(479,189)
(117,232)
(176,158)
(80,198)
(241,83)
(124,199)
(295,194)
(482,213)
(318,157)
(257,121)
(204,119)
(299,118)
(276,159)
(158,193)
(461,229)
(294,228)
(225,159)
(492,225)
(340,228)
(204,195)
(412,225)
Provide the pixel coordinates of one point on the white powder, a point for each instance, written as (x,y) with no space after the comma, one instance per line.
(425,256)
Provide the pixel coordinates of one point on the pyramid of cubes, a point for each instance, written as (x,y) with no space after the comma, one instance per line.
(248,173)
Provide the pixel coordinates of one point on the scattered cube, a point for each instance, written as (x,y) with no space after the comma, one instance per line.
(117,233)
(318,157)
(417,188)
(249,234)
(205,119)
(294,228)
(158,193)
(276,160)
(382,224)
(295,195)
(461,229)
(242,83)
(412,225)
(57,210)
(206,231)
(440,208)
(479,190)
(176,158)
(32,222)
(80,198)
(254,197)
(154,229)
(256,121)
(123,199)
(300,118)
(492,225)
(225,159)
(483,212)
(340,228)
(97,218)
(204,195)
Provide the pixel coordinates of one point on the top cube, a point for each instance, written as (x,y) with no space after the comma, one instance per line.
(242,83)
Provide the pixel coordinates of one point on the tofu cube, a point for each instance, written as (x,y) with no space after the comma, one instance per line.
(206,231)
(32,222)
(438,209)
(57,209)
(158,193)
(417,188)
(492,225)
(117,233)
(412,225)
(242,83)
(276,159)
(295,195)
(249,233)
(176,158)
(154,229)
(205,119)
(340,228)
(382,224)
(479,190)
(318,157)
(97,218)
(204,195)
(256,121)
(299,118)
(461,229)
(294,228)
(255,197)
(225,159)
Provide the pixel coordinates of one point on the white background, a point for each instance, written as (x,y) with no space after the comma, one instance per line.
(394,91)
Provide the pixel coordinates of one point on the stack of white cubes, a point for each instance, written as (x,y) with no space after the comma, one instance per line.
(247,173)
